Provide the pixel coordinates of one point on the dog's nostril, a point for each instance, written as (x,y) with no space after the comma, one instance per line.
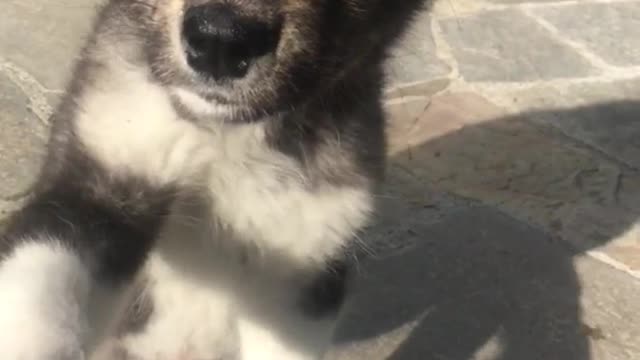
(221,44)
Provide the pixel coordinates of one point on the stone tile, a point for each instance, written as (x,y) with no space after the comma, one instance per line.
(522,1)
(456,8)
(424,88)
(418,120)
(398,201)
(610,315)
(507,46)
(610,225)
(605,115)
(22,141)
(611,127)
(414,60)
(480,285)
(41,35)
(461,143)
(611,30)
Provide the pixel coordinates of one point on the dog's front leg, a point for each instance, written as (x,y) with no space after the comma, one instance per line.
(68,256)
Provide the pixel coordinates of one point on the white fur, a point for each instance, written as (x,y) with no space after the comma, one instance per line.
(262,195)
(44,292)
(238,254)
(190,321)
(200,106)
(230,310)
(277,331)
(130,125)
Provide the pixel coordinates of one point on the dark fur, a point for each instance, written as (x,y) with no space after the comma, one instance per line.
(326,293)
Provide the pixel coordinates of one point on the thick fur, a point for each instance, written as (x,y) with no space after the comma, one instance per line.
(232,205)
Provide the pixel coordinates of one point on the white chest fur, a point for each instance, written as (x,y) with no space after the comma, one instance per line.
(258,195)
(239,246)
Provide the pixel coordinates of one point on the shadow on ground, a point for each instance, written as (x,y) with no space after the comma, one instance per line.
(478,284)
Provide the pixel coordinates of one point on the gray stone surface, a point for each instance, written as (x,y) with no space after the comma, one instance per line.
(506,46)
(521,1)
(612,127)
(408,65)
(21,141)
(480,285)
(609,310)
(610,30)
(43,36)
(463,144)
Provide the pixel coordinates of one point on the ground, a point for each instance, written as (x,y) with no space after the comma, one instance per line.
(509,226)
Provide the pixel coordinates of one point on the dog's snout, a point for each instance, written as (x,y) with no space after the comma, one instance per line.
(222,44)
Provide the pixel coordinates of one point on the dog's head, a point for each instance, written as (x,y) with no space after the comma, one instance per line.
(257,57)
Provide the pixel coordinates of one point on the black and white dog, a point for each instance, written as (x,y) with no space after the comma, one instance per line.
(221,155)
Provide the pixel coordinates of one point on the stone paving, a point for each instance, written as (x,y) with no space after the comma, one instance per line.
(545,98)
(510,220)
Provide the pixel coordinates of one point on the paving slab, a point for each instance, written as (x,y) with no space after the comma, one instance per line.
(22,139)
(463,144)
(43,37)
(481,285)
(608,121)
(407,64)
(521,1)
(508,46)
(610,30)
(605,117)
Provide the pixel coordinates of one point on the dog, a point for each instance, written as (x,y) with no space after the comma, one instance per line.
(208,172)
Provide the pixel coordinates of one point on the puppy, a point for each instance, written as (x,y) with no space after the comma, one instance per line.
(214,160)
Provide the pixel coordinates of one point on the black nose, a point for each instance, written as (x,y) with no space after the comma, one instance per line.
(222,44)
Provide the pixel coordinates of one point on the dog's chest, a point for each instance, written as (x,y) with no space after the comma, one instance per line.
(251,192)
(254,196)
(253,201)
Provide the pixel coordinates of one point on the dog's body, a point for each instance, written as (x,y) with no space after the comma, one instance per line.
(232,193)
